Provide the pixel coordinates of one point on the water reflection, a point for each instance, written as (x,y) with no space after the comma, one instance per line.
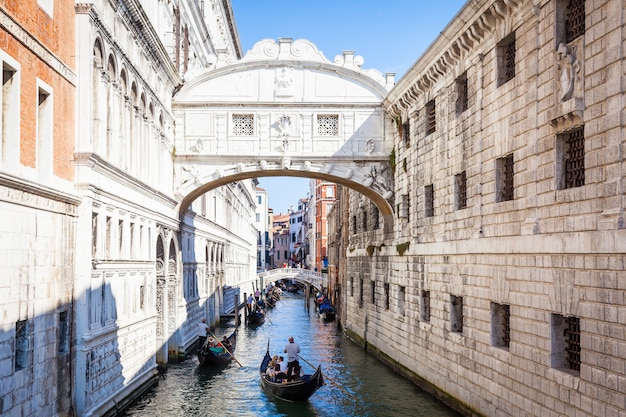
(357,384)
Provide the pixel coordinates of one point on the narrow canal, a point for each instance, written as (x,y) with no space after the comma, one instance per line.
(357,384)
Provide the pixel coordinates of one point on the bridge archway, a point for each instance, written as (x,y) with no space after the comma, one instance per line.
(305,276)
(285,110)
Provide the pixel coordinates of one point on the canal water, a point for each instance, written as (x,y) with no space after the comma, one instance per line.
(357,384)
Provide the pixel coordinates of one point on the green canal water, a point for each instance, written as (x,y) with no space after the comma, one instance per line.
(357,384)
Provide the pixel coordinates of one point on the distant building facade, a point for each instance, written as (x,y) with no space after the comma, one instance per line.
(281,241)
(262,223)
(325,195)
(298,227)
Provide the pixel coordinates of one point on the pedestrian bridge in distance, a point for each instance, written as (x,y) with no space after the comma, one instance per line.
(305,276)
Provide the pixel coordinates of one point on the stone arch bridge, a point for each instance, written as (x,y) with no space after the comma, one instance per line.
(305,276)
(285,110)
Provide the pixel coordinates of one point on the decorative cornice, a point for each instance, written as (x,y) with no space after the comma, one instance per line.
(36,47)
(460,46)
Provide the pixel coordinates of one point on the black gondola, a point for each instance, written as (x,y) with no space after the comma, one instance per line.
(297,390)
(325,308)
(256,318)
(218,355)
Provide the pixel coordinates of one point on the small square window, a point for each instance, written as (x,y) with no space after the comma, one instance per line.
(328,124)
(243,124)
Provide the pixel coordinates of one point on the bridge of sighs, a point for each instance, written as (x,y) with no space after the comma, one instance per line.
(285,110)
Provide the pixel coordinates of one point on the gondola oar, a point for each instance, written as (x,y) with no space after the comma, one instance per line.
(227,351)
(326,377)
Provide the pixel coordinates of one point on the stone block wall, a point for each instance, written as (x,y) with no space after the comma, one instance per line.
(506,299)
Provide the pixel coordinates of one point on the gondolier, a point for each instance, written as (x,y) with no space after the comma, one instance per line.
(293,366)
(203,331)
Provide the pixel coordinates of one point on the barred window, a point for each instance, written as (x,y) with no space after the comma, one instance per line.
(504,178)
(574,19)
(570,148)
(406,133)
(500,325)
(21,344)
(401,300)
(566,348)
(429,196)
(360,292)
(425,306)
(404,207)
(386,287)
(376,218)
(431,117)
(460,182)
(506,59)
(327,124)
(462,100)
(456,314)
(243,124)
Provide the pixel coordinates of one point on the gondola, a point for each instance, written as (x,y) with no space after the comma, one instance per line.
(293,289)
(217,356)
(256,318)
(325,309)
(297,390)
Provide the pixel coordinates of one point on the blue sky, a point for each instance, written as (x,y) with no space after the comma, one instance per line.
(389,35)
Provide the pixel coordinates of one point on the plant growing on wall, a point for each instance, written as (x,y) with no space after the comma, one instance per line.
(392,159)
(402,247)
(370,250)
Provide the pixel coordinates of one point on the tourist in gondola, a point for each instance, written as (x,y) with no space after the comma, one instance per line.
(292,349)
(226,344)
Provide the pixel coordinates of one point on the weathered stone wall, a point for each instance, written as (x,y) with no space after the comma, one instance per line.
(37,259)
(547,253)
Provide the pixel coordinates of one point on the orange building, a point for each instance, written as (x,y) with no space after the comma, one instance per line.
(325,195)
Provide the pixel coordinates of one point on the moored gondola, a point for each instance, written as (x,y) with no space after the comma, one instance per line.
(325,309)
(299,389)
(219,354)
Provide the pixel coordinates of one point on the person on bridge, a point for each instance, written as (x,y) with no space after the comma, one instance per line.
(293,366)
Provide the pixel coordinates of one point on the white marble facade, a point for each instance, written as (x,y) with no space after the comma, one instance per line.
(144,274)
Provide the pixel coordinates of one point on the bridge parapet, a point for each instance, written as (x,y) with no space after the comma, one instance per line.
(316,279)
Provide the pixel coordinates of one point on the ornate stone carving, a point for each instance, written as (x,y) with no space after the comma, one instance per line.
(568,69)
(283,83)
(376,179)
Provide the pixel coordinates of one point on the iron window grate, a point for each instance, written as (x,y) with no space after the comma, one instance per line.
(574,20)
(572,334)
(575,159)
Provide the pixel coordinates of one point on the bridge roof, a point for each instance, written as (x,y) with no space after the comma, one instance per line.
(287,72)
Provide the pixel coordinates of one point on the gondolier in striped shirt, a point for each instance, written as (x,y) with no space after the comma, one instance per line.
(293,366)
